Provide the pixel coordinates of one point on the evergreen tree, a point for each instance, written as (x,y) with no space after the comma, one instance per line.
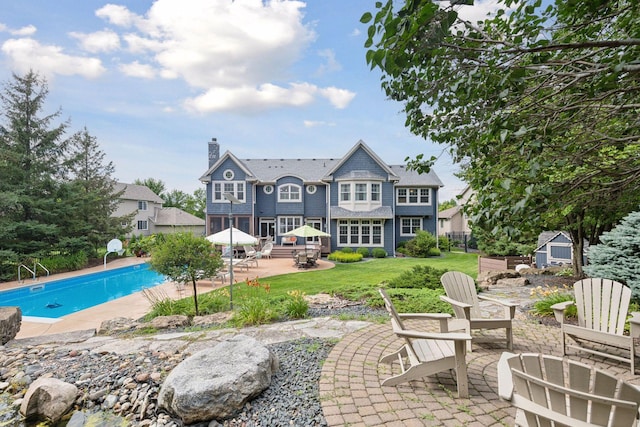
(618,256)
(91,196)
(31,151)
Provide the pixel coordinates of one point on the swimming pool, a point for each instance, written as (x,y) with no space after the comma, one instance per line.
(61,297)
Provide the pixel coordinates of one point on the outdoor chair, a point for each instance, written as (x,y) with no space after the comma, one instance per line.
(550,391)
(426,353)
(464,300)
(249,250)
(602,307)
(266,250)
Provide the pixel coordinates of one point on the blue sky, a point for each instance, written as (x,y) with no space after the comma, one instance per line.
(154,81)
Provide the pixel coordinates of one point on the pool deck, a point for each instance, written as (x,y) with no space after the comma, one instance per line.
(135,305)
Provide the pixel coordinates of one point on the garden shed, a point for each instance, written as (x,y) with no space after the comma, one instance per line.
(555,248)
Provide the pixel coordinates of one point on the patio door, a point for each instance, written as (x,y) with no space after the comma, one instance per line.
(267,227)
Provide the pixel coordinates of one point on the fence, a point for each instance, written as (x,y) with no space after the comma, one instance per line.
(502,263)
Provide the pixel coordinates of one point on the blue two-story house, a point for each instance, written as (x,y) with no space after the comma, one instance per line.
(358,199)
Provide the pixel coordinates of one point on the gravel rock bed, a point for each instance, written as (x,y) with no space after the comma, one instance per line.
(128,385)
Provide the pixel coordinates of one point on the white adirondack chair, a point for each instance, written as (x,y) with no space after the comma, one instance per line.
(550,391)
(602,306)
(462,295)
(426,353)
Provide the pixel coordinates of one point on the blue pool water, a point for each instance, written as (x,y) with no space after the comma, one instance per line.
(61,297)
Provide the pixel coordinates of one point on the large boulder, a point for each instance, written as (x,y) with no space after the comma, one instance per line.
(48,399)
(216,382)
(10,322)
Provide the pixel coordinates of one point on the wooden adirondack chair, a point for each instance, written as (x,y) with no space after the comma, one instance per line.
(602,306)
(550,391)
(462,295)
(426,353)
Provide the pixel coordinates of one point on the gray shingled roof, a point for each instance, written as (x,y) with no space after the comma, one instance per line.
(137,192)
(449,213)
(383,212)
(408,177)
(316,169)
(309,170)
(176,217)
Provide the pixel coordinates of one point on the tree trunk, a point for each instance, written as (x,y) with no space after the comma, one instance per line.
(195,295)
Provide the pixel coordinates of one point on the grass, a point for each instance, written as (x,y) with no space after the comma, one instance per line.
(366,274)
(255,300)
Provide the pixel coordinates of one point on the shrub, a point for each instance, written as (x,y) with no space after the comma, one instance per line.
(347,250)
(434,252)
(420,245)
(340,256)
(443,243)
(254,311)
(415,301)
(69,262)
(379,253)
(419,277)
(296,306)
(617,257)
(550,295)
(364,252)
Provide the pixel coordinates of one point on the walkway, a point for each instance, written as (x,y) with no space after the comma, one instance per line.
(351,393)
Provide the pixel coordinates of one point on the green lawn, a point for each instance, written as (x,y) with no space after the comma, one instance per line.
(369,273)
(356,281)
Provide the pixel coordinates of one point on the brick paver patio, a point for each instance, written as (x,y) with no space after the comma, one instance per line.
(352,396)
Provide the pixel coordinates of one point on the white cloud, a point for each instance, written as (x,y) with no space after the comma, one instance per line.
(26,54)
(29,30)
(117,15)
(136,69)
(237,53)
(314,123)
(99,41)
(478,11)
(355,32)
(331,63)
(339,98)
(249,99)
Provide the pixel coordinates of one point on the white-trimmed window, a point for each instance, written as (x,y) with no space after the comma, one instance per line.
(345,192)
(143,225)
(289,193)
(360,232)
(410,226)
(413,196)
(268,189)
(375,192)
(142,205)
(311,189)
(234,187)
(288,223)
(360,195)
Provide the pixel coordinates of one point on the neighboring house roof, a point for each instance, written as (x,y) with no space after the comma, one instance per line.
(136,192)
(176,217)
(317,170)
(449,213)
(383,212)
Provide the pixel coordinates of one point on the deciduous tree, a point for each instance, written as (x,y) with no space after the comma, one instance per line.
(538,102)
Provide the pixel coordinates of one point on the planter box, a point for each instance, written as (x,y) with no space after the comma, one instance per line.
(501,263)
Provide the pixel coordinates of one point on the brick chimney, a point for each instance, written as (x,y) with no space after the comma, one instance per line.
(214,151)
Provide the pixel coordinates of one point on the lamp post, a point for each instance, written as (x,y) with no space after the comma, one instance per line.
(232,199)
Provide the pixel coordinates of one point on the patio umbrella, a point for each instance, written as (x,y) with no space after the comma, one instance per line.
(306,231)
(239,238)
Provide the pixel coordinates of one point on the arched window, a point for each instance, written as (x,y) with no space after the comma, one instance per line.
(289,193)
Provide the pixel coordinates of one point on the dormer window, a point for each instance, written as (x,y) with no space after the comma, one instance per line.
(289,193)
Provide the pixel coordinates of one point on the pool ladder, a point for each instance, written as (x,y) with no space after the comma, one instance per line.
(33,272)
